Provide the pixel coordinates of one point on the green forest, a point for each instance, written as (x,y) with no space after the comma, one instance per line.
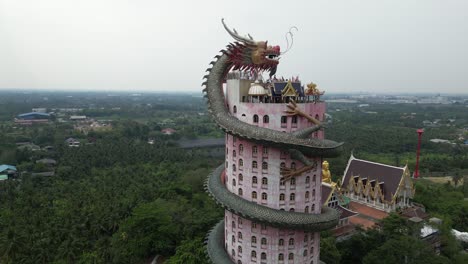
(114,202)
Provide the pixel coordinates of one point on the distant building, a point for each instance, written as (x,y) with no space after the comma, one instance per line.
(168,131)
(32,118)
(71,142)
(77,117)
(438,140)
(39,110)
(7,172)
(48,162)
(48,148)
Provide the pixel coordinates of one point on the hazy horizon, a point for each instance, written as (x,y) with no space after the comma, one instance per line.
(146,46)
(136,91)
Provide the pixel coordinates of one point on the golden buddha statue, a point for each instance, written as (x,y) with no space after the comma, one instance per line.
(326,175)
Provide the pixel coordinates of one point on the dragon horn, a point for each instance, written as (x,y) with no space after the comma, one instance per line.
(236,36)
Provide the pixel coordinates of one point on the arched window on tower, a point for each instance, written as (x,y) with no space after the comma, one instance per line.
(255,118)
(307,180)
(292,181)
(263,256)
(264,181)
(306,210)
(254,164)
(254,195)
(241,149)
(241,163)
(292,197)
(254,180)
(294,121)
(241,178)
(234,109)
(291,242)
(240,192)
(281,197)
(253,239)
(264,165)
(266,119)
(234,153)
(281,242)
(233,182)
(264,196)
(291,256)
(284,121)
(280,257)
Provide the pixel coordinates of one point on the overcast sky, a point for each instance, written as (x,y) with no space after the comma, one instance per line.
(343,46)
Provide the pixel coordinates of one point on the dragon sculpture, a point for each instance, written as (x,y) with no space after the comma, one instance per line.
(258,56)
(249,54)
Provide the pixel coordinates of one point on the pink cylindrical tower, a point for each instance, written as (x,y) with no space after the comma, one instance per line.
(270,184)
(253,172)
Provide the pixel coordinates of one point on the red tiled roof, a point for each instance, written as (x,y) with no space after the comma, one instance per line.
(389,175)
(367,211)
(414,212)
(365,223)
(345,212)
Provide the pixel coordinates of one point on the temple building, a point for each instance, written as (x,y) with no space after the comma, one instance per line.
(377,185)
(376,189)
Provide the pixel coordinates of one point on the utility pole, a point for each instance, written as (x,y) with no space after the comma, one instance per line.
(418,152)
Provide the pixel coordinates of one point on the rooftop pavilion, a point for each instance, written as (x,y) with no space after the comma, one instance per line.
(253,89)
